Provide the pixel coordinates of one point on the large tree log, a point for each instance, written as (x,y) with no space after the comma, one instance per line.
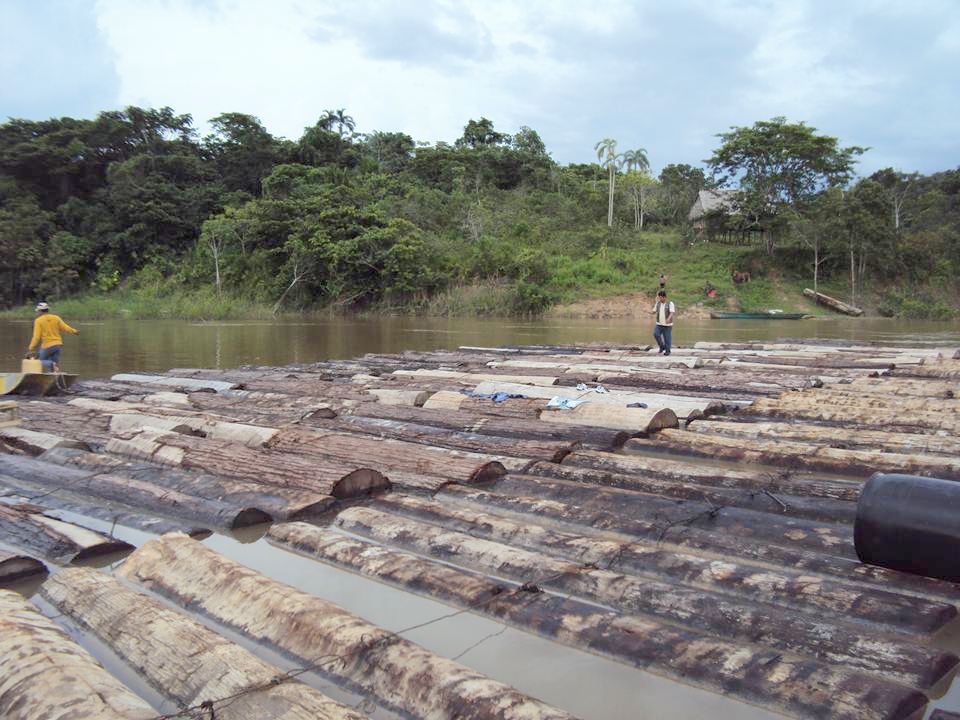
(25,526)
(766,495)
(795,455)
(34,442)
(914,421)
(776,586)
(67,420)
(474,377)
(682,537)
(280,503)
(833,303)
(177,382)
(514,407)
(837,437)
(387,455)
(896,386)
(314,631)
(14,566)
(633,420)
(184,661)
(617,470)
(46,676)
(325,476)
(837,397)
(18,490)
(550,450)
(788,684)
(134,491)
(507,427)
(716,614)
(732,521)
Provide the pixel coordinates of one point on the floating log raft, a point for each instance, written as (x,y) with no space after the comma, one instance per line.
(799,687)
(46,676)
(14,566)
(187,662)
(833,303)
(26,526)
(396,671)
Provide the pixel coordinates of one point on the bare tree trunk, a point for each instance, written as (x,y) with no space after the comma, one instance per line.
(640,192)
(816,262)
(610,199)
(853,278)
(297,276)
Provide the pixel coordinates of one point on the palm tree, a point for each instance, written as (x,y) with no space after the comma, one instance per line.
(607,155)
(338,118)
(636,160)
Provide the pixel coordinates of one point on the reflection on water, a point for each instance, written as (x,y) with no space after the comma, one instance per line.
(112,346)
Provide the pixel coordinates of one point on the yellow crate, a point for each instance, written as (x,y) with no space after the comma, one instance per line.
(31,365)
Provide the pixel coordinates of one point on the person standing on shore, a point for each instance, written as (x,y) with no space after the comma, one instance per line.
(46,334)
(664,311)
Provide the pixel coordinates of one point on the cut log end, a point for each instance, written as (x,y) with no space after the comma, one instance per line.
(358,483)
(250,516)
(488,472)
(103,548)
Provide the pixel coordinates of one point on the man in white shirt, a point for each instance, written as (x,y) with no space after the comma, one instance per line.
(664,311)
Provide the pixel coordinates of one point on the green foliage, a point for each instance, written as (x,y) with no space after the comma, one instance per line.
(915,306)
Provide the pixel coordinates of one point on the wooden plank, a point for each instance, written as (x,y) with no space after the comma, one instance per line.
(46,676)
(302,626)
(186,662)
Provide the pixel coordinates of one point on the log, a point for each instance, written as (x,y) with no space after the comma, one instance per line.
(685,538)
(33,442)
(915,421)
(133,491)
(551,451)
(753,674)
(392,455)
(21,491)
(324,476)
(249,435)
(68,421)
(47,676)
(519,428)
(719,615)
(26,526)
(277,502)
(186,662)
(836,437)
(177,382)
(760,583)
(14,566)
(837,397)
(766,495)
(413,398)
(9,414)
(618,470)
(795,455)
(472,378)
(632,420)
(895,386)
(833,303)
(732,521)
(313,631)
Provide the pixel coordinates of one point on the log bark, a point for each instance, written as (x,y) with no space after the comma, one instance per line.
(514,407)
(507,427)
(765,495)
(474,377)
(838,397)
(636,421)
(187,663)
(943,595)
(719,615)
(836,437)
(47,676)
(313,631)
(731,521)
(915,421)
(14,566)
(280,503)
(550,451)
(177,382)
(833,303)
(133,491)
(26,526)
(764,677)
(794,455)
(34,442)
(618,470)
(322,475)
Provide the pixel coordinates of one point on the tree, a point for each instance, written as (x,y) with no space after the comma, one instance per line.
(637,166)
(901,188)
(781,169)
(679,186)
(607,155)
(480,133)
(391,150)
(337,119)
(243,151)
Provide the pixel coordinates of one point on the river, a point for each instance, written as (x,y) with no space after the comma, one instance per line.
(105,347)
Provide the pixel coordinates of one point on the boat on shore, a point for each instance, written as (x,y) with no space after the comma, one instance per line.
(763,315)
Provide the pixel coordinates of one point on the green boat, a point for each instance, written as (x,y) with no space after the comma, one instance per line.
(765,315)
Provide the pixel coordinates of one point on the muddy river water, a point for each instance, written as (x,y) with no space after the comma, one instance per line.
(584,684)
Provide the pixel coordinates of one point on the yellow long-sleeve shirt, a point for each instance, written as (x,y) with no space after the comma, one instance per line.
(46,331)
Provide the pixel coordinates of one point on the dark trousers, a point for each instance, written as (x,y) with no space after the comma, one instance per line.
(663,334)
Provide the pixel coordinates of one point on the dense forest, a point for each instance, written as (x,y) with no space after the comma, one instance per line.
(135,199)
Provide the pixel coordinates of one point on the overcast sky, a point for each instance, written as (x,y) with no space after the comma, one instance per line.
(664,75)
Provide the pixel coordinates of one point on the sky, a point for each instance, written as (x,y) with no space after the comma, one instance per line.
(663,75)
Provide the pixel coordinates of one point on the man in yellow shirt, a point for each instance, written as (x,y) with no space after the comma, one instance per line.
(46,334)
